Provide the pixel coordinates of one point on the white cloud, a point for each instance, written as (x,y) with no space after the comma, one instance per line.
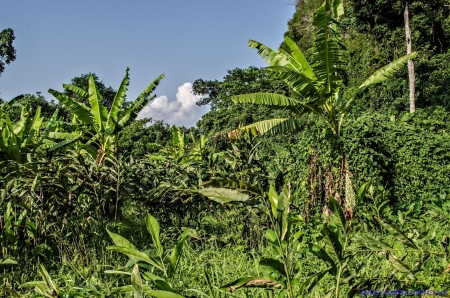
(183,111)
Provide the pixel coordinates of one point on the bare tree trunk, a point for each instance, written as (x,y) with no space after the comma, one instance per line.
(412,77)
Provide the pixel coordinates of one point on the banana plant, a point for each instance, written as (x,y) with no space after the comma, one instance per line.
(31,135)
(104,125)
(180,151)
(48,288)
(319,84)
(152,259)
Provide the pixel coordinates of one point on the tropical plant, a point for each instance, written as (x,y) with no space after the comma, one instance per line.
(29,135)
(48,288)
(103,125)
(152,260)
(319,85)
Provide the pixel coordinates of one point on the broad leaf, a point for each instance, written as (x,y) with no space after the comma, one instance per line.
(230,183)
(133,253)
(338,215)
(136,282)
(224,195)
(143,99)
(272,57)
(154,230)
(78,109)
(333,246)
(322,254)
(77,90)
(119,240)
(273,199)
(176,254)
(274,264)
(119,99)
(272,126)
(268,99)
(98,111)
(299,57)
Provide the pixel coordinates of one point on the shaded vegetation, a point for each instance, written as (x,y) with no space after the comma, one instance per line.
(94,203)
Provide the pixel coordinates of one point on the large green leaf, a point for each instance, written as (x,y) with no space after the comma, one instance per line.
(224,195)
(51,124)
(98,111)
(143,99)
(119,99)
(299,82)
(48,280)
(272,126)
(176,254)
(154,230)
(119,240)
(134,253)
(338,8)
(272,57)
(269,99)
(253,282)
(230,183)
(160,294)
(77,90)
(333,245)
(322,254)
(273,264)
(338,215)
(386,72)
(63,144)
(273,199)
(35,126)
(136,282)
(283,211)
(300,58)
(78,109)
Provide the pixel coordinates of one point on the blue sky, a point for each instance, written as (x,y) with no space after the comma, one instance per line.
(57,40)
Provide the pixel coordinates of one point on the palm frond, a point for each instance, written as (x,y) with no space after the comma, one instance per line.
(268,99)
(298,56)
(77,90)
(143,99)
(386,72)
(272,57)
(119,98)
(338,8)
(272,126)
(298,82)
(98,110)
(78,109)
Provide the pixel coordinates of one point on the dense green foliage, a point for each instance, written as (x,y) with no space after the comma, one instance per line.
(7,51)
(322,210)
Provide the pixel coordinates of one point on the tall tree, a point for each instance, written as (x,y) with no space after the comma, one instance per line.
(7,51)
(411,74)
(374,35)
